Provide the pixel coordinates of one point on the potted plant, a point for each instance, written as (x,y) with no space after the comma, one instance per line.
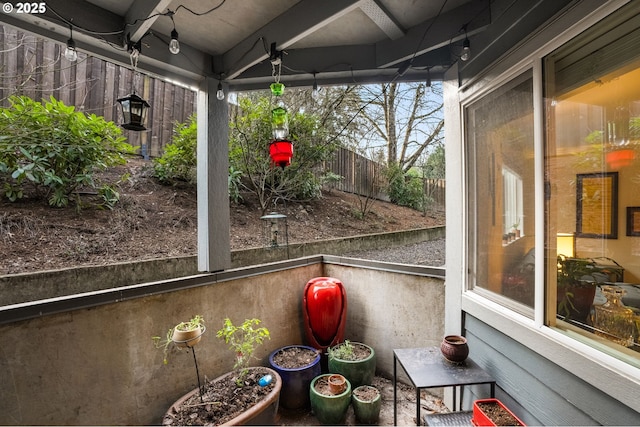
(356,361)
(183,335)
(577,281)
(366,401)
(328,406)
(246,395)
(297,365)
(492,412)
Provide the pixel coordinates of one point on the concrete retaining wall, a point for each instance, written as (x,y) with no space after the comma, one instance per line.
(88,359)
(18,288)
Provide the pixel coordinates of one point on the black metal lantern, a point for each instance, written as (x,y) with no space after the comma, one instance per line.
(134,111)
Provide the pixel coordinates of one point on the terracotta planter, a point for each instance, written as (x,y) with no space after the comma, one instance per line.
(481,418)
(367,411)
(337,383)
(582,300)
(358,372)
(262,413)
(187,338)
(296,381)
(328,408)
(454,348)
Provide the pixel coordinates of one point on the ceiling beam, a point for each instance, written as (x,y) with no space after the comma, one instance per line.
(141,16)
(294,24)
(382,18)
(434,33)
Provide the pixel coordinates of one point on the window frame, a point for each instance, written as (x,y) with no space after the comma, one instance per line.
(573,353)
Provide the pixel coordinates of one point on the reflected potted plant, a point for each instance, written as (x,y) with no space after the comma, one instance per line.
(577,281)
(246,395)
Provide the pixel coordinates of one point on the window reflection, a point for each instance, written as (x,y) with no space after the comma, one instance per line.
(592,171)
(501,176)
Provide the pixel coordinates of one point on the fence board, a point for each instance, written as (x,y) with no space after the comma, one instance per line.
(33,66)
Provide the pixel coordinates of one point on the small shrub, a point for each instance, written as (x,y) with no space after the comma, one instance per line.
(49,150)
(242,341)
(179,160)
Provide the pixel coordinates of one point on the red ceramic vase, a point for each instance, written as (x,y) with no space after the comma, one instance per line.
(325,312)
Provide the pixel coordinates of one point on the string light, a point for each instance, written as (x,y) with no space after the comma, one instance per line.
(174,44)
(466,50)
(220,92)
(70,52)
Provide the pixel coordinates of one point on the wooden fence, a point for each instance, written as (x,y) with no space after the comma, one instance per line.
(36,67)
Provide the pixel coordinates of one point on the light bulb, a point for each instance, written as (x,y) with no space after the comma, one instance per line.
(70,52)
(466,50)
(220,92)
(174,44)
(315,92)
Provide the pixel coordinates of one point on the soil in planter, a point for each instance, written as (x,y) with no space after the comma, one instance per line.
(294,357)
(223,400)
(360,352)
(366,393)
(497,414)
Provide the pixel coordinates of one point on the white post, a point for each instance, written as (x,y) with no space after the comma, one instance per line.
(214,247)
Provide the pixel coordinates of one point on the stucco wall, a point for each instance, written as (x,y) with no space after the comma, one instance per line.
(95,363)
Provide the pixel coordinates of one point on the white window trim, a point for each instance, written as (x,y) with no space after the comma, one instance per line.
(584,361)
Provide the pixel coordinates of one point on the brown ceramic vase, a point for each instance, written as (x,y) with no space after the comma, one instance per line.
(454,348)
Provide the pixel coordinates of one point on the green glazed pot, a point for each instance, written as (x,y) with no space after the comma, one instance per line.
(330,410)
(366,411)
(358,372)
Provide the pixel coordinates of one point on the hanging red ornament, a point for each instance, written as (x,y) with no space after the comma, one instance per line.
(281,152)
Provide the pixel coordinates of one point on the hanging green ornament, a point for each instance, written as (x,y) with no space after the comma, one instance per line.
(277,88)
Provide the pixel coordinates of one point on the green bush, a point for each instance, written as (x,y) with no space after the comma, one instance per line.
(49,150)
(179,160)
(405,189)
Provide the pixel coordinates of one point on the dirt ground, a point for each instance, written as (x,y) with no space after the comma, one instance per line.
(156,221)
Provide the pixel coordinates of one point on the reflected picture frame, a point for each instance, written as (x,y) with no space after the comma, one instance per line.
(633,220)
(597,205)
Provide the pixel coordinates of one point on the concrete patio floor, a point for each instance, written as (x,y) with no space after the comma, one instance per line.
(406,407)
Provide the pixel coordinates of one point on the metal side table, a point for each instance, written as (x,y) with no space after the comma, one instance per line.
(427,368)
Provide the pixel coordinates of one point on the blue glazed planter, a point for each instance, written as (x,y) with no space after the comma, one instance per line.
(296,381)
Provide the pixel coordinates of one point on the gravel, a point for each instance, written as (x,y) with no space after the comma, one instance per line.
(430,253)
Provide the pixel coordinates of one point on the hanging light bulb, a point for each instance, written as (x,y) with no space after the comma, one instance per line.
(70,52)
(315,92)
(220,92)
(466,50)
(174,44)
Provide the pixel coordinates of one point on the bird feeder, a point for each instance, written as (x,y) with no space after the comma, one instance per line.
(274,230)
(281,153)
(134,111)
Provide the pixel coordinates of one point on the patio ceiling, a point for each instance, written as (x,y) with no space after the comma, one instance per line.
(327,41)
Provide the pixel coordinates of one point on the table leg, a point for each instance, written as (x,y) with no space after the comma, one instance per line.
(395,391)
(455,398)
(417,406)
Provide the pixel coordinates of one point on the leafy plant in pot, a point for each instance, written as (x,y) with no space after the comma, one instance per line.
(183,335)
(577,281)
(356,361)
(246,395)
(329,404)
(297,365)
